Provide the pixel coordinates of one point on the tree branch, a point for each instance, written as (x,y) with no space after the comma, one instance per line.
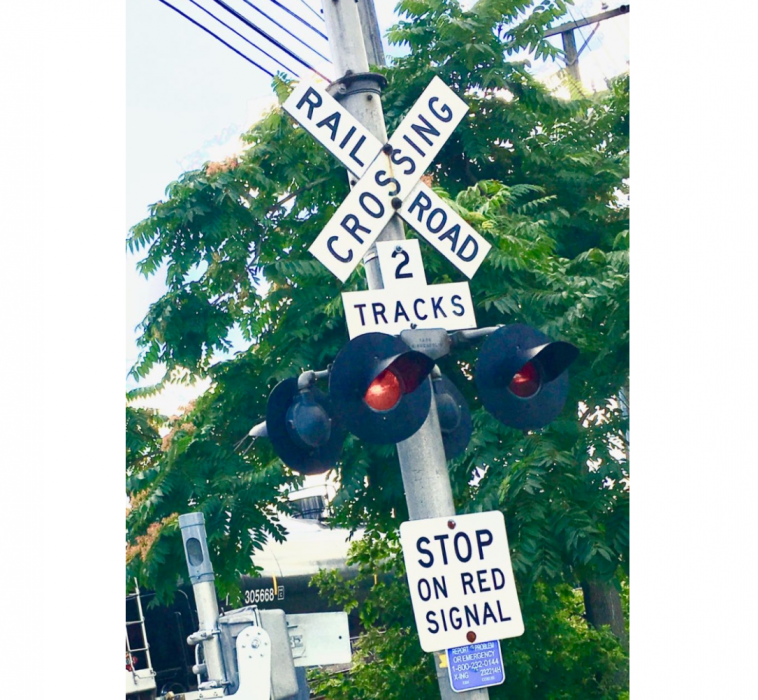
(307,187)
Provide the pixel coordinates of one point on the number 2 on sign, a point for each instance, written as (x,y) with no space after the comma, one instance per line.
(403,263)
(400,262)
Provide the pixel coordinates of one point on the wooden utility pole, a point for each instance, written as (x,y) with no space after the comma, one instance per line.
(601,600)
(569,43)
(572,57)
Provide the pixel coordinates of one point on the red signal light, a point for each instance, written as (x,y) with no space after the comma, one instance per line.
(521,376)
(384,393)
(378,390)
(526,382)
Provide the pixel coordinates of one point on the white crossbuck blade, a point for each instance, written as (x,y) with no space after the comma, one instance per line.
(384,178)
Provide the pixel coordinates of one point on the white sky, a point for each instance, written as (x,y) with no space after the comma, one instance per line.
(189,98)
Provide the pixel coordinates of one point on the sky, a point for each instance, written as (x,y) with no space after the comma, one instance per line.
(189,98)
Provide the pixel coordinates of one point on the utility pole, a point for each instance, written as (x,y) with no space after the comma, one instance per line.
(569,43)
(572,57)
(566,31)
(422,456)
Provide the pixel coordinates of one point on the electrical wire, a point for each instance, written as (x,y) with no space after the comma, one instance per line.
(621,36)
(587,40)
(267,36)
(578,29)
(215,36)
(244,38)
(287,31)
(313,11)
(299,18)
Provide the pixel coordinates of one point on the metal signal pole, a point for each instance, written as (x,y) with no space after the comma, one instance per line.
(422,456)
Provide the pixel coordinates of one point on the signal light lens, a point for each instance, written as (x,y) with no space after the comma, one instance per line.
(308,423)
(384,393)
(526,382)
(302,427)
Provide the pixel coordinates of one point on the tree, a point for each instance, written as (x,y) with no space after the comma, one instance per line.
(560,656)
(539,177)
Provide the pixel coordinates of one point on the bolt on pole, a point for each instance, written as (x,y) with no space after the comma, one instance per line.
(422,456)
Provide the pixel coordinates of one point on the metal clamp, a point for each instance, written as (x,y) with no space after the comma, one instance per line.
(209,685)
(308,378)
(355,83)
(201,636)
(465,337)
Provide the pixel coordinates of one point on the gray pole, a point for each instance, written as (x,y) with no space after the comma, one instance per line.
(202,577)
(372,37)
(422,456)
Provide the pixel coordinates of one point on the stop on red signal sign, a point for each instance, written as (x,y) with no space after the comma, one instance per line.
(461,580)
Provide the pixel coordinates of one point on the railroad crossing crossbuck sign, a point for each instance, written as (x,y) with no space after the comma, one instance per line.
(388,178)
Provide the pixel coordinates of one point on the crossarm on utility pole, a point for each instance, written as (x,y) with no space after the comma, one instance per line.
(576,24)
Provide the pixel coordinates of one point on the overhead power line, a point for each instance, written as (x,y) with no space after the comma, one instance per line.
(244,38)
(298,17)
(216,36)
(584,22)
(586,41)
(284,29)
(313,11)
(267,36)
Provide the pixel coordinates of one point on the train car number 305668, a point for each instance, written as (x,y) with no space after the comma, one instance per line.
(263,595)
